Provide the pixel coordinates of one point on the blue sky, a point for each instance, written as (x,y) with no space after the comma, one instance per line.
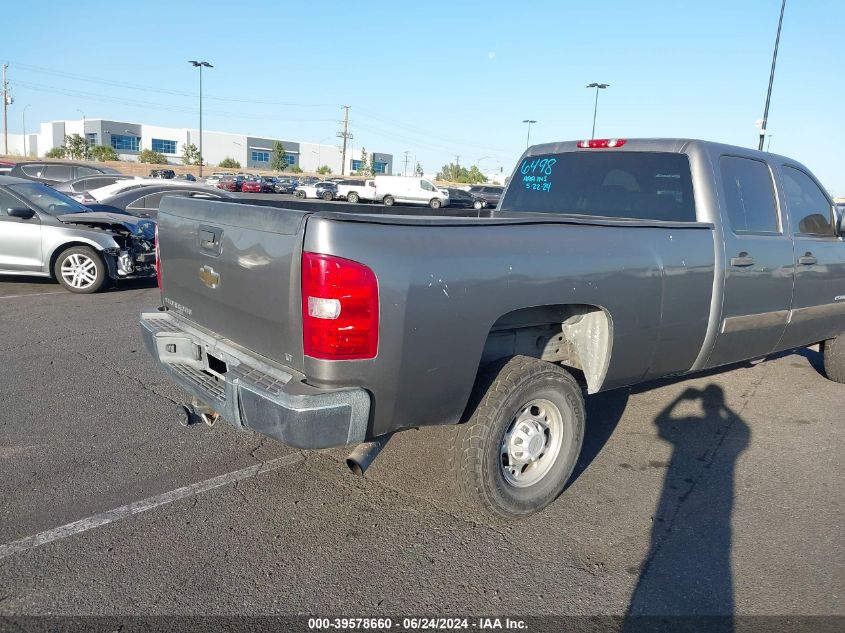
(441,79)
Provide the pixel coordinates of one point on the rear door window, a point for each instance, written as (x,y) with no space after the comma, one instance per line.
(809,208)
(749,195)
(85,171)
(57,172)
(608,184)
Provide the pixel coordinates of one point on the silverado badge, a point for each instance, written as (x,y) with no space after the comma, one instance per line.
(209,277)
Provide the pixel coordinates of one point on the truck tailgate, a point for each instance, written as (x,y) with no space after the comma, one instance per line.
(234,269)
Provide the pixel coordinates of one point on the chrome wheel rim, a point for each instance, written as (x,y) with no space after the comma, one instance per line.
(531,443)
(79,271)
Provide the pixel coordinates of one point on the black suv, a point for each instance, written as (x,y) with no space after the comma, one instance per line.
(491,193)
(52,171)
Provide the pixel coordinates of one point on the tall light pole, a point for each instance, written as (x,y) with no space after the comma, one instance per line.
(200,65)
(596,106)
(23,125)
(528,138)
(771,80)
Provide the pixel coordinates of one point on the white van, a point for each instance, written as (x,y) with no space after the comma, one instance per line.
(392,189)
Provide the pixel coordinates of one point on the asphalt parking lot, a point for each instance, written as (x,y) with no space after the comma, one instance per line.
(719,494)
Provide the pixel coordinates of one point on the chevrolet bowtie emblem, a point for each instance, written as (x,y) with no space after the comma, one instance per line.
(209,277)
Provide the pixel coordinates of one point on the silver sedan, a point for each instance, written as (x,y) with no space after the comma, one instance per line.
(44,233)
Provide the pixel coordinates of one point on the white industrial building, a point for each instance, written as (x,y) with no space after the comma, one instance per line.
(252,152)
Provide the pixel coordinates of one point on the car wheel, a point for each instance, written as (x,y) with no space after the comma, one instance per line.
(300,194)
(518,449)
(435,203)
(352,197)
(833,353)
(388,201)
(80,269)
(478,205)
(327,196)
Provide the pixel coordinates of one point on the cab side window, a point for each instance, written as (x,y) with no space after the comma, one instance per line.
(809,207)
(749,195)
(426,185)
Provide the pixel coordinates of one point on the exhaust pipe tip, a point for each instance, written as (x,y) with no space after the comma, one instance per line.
(354,466)
(360,459)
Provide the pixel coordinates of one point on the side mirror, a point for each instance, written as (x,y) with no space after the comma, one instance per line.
(21,212)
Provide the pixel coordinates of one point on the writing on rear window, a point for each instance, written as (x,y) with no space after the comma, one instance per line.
(609,184)
(536,173)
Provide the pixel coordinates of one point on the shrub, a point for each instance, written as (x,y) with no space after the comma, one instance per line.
(149,156)
(103,152)
(229,162)
(56,152)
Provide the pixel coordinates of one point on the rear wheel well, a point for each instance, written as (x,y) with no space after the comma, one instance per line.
(577,336)
(61,249)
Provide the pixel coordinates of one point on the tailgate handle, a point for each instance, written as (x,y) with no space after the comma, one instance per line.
(209,238)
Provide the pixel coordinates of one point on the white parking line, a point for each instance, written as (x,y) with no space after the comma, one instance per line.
(110,516)
(34,294)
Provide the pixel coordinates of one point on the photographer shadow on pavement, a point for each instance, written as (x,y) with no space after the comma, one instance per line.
(687,571)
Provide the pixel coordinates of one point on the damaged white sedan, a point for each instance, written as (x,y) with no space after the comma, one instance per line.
(47,234)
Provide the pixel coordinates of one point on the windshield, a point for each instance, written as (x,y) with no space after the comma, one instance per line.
(47,199)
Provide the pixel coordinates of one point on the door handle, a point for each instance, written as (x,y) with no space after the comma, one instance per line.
(807,260)
(742,260)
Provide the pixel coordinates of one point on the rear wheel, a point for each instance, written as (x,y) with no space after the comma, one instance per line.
(80,269)
(435,203)
(518,449)
(388,201)
(299,194)
(352,197)
(833,353)
(327,195)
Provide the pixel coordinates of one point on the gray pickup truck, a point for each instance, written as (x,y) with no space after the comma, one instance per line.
(605,264)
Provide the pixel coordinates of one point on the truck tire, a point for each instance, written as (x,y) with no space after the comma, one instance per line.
(352,197)
(435,203)
(388,201)
(80,269)
(519,447)
(833,352)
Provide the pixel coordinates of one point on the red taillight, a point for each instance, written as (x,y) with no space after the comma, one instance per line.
(339,308)
(601,143)
(158,261)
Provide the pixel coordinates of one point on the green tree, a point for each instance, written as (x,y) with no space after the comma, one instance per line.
(295,169)
(453,173)
(278,162)
(324,170)
(418,171)
(190,154)
(76,147)
(56,152)
(474,175)
(365,164)
(372,166)
(103,152)
(229,162)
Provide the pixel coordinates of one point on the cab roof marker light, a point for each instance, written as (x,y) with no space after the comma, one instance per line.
(601,143)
